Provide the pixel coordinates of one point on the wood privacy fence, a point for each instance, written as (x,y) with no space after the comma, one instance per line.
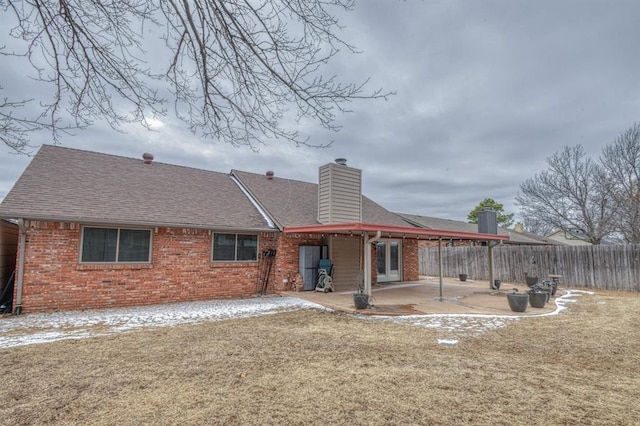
(599,267)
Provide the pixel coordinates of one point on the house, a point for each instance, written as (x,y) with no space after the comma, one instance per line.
(98,230)
(516,236)
(569,238)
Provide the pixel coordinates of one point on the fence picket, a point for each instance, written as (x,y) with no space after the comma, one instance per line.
(599,267)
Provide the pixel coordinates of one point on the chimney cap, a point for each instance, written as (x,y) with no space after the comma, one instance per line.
(147,157)
(341,161)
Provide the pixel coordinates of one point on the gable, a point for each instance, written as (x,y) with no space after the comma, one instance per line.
(295,203)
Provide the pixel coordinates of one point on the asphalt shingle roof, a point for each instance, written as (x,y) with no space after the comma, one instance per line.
(295,203)
(75,185)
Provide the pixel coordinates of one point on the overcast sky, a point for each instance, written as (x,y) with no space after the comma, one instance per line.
(486,90)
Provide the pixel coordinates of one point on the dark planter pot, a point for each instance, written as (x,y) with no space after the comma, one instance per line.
(462,277)
(538,299)
(531,281)
(518,301)
(361,301)
(496,284)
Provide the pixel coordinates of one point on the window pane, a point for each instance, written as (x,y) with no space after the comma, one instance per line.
(134,245)
(394,256)
(381,258)
(224,247)
(99,245)
(247,247)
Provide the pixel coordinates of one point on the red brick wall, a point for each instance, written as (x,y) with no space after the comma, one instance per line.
(181,270)
(410,260)
(286,266)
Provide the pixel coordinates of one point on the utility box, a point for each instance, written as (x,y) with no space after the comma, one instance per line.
(487,221)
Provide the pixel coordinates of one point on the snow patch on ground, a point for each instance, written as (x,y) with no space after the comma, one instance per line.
(49,327)
(44,328)
(457,326)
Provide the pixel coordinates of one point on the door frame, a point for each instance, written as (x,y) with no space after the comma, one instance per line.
(389,275)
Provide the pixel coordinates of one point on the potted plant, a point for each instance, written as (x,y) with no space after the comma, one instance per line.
(537,299)
(361,299)
(518,301)
(531,281)
(462,277)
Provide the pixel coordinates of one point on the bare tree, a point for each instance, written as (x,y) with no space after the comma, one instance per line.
(621,161)
(536,226)
(235,69)
(572,194)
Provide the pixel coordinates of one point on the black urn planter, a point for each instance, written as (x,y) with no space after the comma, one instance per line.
(518,301)
(531,281)
(538,299)
(462,277)
(361,300)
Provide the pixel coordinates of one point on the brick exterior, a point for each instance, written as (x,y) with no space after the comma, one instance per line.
(181,270)
(410,260)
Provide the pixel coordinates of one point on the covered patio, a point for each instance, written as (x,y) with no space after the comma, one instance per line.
(424,297)
(371,233)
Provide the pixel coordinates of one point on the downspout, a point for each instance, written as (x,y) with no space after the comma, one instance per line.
(23,241)
(367,260)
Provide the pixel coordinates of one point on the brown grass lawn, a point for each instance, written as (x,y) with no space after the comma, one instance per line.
(308,367)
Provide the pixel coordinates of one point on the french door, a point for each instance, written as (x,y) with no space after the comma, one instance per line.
(389,260)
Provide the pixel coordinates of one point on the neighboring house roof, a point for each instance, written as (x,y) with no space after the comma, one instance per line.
(65,184)
(295,203)
(572,238)
(460,226)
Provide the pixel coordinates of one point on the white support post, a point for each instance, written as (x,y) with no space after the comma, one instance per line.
(367,260)
(367,265)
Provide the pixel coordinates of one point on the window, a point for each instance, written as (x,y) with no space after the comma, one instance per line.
(115,245)
(232,247)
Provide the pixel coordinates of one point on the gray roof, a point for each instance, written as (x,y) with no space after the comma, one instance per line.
(460,226)
(295,203)
(66,184)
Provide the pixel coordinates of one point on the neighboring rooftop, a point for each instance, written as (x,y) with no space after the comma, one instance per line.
(524,238)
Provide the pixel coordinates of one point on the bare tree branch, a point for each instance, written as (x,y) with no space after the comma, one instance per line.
(572,194)
(237,69)
(621,161)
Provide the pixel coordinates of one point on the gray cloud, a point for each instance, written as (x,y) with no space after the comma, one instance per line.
(485,92)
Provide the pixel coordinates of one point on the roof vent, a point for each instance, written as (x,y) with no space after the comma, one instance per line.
(270,174)
(148,158)
(341,161)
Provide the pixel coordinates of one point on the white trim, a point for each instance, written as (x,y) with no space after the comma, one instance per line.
(253,201)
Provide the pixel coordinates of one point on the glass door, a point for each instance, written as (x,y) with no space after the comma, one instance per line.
(388,260)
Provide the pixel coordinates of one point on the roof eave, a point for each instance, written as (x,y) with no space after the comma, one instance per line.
(391,230)
(142,223)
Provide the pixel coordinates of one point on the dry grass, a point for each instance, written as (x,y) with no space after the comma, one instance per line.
(580,367)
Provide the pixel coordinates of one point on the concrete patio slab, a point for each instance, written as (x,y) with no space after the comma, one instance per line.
(423,297)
